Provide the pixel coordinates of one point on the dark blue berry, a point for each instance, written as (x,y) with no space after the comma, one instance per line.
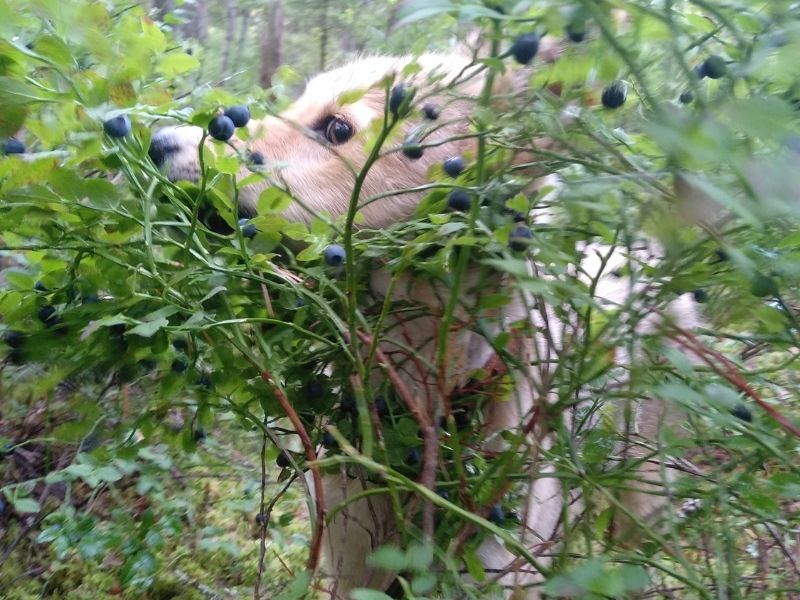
(525,48)
(148,364)
(496,515)
(334,255)
(413,457)
(348,403)
(239,114)
(13,146)
(179,365)
(205,380)
(14,339)
(686,97)
(283,459)
(412,150)
(47,315)
(117,127)
(720,256)
(459,200)
(248,229)
(328,440)
(519,238)
(453,166)
(396,98)
(700,70)
(256,158)
(221,128)
(700,295)
(461,418)
(576,32)
(714,67)
(614,95)
(740,411)
(314,390)
(763,285)
(381,407)
(431,111)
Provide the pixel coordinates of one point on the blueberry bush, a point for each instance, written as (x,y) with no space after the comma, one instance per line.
(170,370)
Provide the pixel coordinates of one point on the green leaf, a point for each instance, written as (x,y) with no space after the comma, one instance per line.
(419,557)
(26,505)
(50,533)
(364,594)
(109,474)
(519,203)
(601,524)
(351,96)
(79,470)
(297,588)
(273,199)
(17,93)
(635,577)
(149,328)
(176,64)
(421,9)
(388,558)
(474,564)
(229,165)
(491,301)
(423,583)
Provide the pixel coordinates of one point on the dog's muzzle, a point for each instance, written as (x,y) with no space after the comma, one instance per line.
(174,150)
(162,147)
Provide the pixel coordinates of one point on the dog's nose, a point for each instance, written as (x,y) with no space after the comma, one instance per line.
(162,146)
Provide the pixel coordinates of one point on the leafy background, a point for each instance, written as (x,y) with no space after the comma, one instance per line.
(134,421)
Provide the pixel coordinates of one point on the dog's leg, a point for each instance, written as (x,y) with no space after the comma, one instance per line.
(524,414)
(645,500)
(353,533)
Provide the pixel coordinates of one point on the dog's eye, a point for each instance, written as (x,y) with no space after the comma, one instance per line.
(338,131)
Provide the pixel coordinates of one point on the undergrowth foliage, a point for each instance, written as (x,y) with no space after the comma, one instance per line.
(142,319)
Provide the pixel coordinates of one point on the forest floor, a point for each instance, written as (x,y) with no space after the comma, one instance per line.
(176,524)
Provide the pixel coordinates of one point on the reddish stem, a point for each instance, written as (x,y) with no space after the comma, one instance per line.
(430,440)
(311,455)
(731,372)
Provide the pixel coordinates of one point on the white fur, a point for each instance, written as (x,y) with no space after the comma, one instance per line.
(317,176)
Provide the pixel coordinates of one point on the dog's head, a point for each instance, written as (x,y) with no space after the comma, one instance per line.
(308,148)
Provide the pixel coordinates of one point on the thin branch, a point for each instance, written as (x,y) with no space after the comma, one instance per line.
(311,455)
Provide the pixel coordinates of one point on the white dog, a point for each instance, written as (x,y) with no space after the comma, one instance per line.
(316,174)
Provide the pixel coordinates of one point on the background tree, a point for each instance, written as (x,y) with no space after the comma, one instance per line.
(272,43)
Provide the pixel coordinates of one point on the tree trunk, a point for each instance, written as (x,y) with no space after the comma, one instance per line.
(393,15)
(244,28)
(271,42)
(391,20)
(197,26)
(323,37)
(230,26)
(163,8)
